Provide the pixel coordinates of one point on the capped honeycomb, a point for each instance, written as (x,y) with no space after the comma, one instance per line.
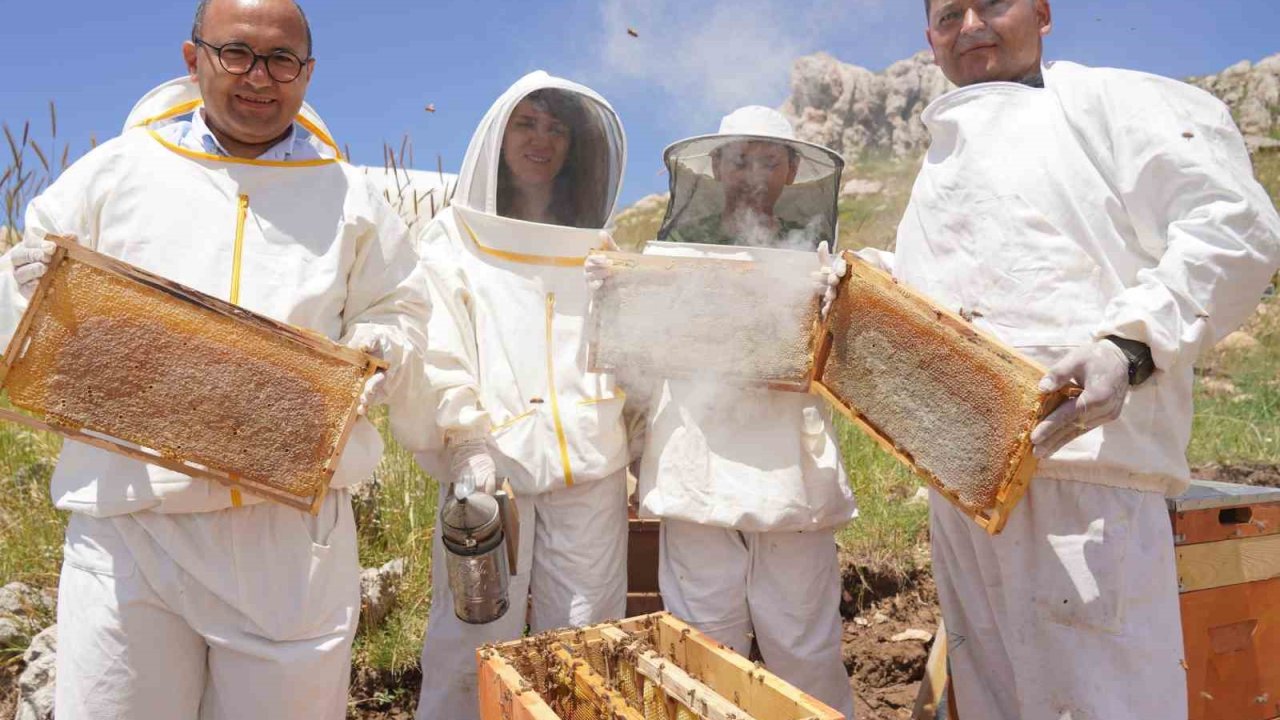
(957,406)
(144,364)
(677,317)
(653,667)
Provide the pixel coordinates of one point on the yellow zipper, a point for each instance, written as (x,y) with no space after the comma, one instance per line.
(551,388)
(242,214)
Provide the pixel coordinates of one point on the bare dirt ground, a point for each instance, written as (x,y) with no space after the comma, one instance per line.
(1256,474)
(383,695)
(878,605)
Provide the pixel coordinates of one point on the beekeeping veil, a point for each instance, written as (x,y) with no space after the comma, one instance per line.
(592,176)
(805,212)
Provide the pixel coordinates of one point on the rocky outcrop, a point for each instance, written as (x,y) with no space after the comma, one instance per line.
(23,613)
(856,111)
(379,589)
(1253,93)
(853,110)
(36,684)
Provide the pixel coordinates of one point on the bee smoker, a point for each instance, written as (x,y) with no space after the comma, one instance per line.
(480,534)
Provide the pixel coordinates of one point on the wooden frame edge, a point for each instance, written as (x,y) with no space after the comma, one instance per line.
(152,458)
(815,709)
(19,338)
(68,249)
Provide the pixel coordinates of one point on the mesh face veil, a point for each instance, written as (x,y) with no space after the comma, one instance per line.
(589,183)
(752,184)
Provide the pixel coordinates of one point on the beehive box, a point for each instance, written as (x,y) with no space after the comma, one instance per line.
(955,405)
(653,667)
(1227,543)
(172,377)
(751,321)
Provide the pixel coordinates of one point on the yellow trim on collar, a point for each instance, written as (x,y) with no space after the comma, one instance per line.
(191,105)
(240,161)
(523,258)
(175,111)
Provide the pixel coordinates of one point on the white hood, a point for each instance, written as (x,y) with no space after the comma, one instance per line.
(178,98)
(477,187)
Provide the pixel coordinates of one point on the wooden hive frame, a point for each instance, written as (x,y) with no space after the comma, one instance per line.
(638,265)
(642,657)
(953,329)
(69,253)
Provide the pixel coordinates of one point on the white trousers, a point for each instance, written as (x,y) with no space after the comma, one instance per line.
(572,565)
(782,586)
(231,615)
(1070,614)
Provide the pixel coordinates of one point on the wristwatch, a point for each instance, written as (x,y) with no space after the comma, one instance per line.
(1141,365)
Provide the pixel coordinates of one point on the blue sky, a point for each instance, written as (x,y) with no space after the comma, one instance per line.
(382,61)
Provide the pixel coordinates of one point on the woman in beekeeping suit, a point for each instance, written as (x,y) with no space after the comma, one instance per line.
(508,362)
(748,482)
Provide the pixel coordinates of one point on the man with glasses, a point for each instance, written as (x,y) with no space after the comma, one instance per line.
(1105,223)
(180,598)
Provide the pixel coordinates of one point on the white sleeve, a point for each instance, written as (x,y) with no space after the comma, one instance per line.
(1180,166)
(387,299)
(452,354)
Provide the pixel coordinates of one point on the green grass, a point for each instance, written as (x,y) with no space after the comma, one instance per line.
(890,529)
(30,529)
(1244,425)
(396,522)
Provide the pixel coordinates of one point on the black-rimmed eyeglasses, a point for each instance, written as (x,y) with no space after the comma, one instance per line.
(240,59)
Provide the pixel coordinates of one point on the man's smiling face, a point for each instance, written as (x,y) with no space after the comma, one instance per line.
(251,110)
(978,41)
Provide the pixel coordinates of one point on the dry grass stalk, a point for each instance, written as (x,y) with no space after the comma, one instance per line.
(20,183)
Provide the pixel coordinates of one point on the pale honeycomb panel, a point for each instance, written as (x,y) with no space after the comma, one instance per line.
(674,317)
(959,408)
(112,355)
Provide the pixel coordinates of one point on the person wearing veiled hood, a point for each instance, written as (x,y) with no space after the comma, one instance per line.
(507,359)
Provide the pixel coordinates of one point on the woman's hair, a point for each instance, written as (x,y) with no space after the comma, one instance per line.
(578,199)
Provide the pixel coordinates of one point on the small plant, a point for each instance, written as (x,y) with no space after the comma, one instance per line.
(29,170)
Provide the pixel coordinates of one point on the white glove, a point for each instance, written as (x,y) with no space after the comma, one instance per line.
(829,276)
(596,267)
(30,259)
(472,468)
(375,388)
(1103,371)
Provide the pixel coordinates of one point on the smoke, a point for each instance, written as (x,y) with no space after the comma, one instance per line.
(710,327)
(729,317)
(709,58)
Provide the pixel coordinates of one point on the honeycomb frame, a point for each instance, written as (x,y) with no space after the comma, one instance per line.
(872,320)
(687,350)
(303,369)
(651,667)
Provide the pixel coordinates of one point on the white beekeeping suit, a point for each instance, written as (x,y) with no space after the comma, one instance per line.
(508,359)
(749,483)
(1108,203)
(224,603)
